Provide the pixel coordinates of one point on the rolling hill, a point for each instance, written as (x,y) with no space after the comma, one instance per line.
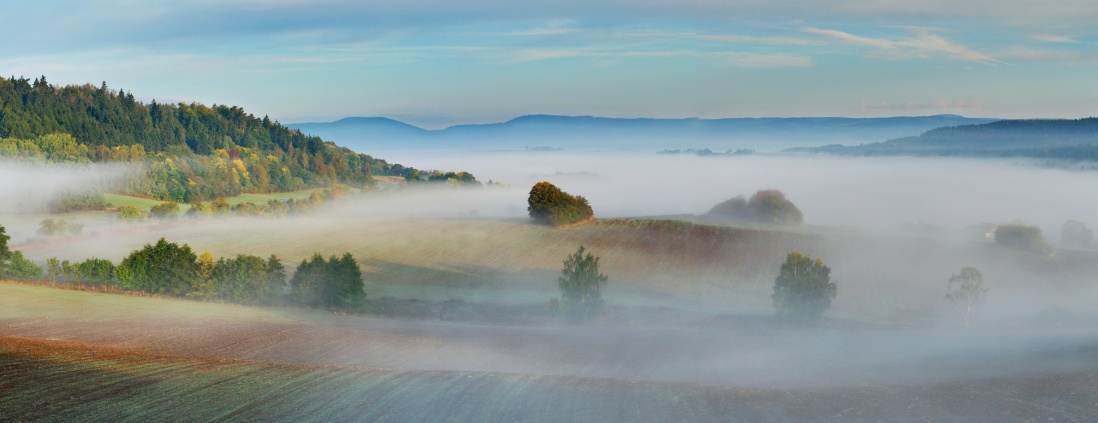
(588,132)
(1054,139)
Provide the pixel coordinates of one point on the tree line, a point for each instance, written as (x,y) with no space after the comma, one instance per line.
(172,269)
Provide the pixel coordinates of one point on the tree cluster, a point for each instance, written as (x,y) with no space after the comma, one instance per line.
(172,269)
(766,206)
(326,283)
(220,207)
(549,205)
(51,227)
(1022,237)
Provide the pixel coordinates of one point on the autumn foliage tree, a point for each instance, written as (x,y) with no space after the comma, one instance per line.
(549,205)
(803,289)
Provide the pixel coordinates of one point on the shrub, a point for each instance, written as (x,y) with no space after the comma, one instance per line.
(165,211)
(131,214)
(198,210)
(549,205)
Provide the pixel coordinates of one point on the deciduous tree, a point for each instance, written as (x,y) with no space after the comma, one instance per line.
(966,291)
(803,289)
(580,285)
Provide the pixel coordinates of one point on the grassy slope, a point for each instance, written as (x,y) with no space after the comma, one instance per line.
(119,200)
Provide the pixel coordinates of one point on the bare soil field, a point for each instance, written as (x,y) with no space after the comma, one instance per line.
(73,353)
(43,380)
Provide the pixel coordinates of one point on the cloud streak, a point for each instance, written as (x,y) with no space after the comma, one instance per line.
(924,44)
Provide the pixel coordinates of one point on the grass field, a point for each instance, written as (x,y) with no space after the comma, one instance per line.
(119,200)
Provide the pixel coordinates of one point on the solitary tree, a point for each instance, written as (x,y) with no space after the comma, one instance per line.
(4,252)
(803,289)
(1075,233)
(966,291)
(580,287)
(550,205)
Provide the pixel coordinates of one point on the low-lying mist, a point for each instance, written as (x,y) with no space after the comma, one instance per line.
(889,323)
(846,191)
(27,187)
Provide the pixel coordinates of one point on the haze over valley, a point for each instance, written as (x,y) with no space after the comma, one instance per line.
(572,211)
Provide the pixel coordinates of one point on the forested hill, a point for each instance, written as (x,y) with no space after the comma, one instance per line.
(1060,139)
(195,152)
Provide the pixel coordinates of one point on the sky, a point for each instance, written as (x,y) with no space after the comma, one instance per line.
(438,63)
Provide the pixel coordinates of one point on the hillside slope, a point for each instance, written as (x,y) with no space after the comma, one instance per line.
(194,152)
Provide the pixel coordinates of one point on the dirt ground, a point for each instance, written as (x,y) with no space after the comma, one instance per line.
(46,380)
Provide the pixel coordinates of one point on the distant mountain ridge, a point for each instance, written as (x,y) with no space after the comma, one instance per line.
(627,133)
(1061,139)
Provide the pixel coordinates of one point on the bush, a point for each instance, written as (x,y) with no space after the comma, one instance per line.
(803,289)
(131,214)
(549,205)
(766,206)
(1022,237)
(165,211)
(50,227)
(198,210)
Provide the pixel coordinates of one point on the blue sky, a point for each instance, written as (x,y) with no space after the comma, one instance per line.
(435,63)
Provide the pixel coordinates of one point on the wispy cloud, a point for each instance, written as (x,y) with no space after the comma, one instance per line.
(1049,38)
(719,38)
(1049,56)
(734,58)
(924,44)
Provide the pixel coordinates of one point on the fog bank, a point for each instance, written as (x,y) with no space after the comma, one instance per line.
(852,191)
